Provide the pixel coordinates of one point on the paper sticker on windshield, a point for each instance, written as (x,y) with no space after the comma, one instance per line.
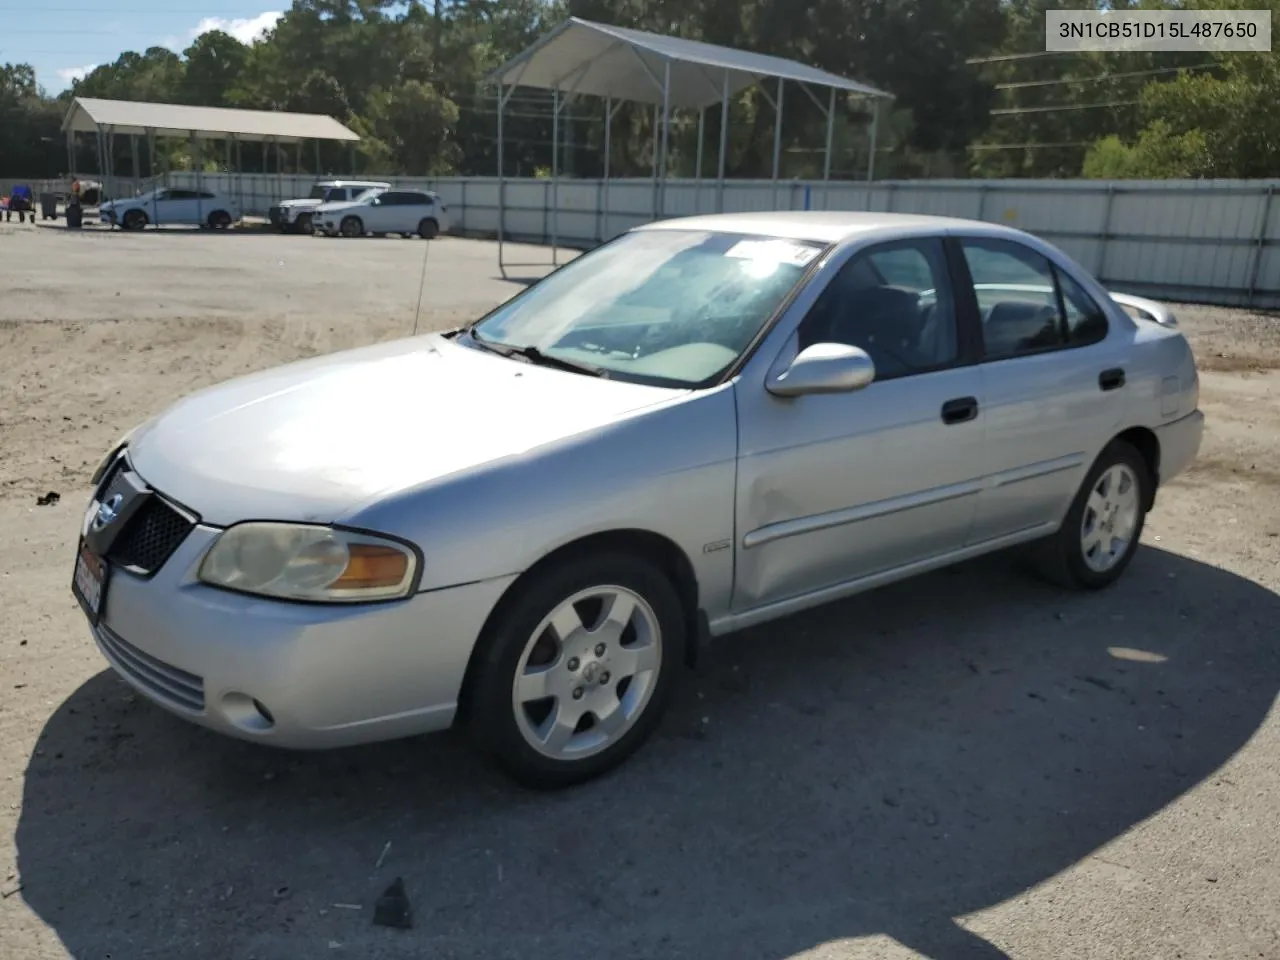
(774,251)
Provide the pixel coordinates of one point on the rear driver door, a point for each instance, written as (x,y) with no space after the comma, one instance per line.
(1053,381)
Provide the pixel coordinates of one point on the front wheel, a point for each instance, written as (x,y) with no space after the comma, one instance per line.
(1101,531)
(352,227)
(219,220)
(304,223)
(575,672)
(134,220)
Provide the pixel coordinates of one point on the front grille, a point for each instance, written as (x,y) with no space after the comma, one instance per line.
(150,537)
(162,680)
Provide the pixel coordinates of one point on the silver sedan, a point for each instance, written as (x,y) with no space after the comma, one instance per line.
(528,525)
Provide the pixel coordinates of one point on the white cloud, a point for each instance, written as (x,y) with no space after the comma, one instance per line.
(244,29)
(69,74)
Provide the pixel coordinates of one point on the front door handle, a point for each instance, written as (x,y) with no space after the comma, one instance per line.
(960,410)
(1111,379)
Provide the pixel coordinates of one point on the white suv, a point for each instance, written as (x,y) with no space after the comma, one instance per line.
(295,215)
(166,207)
(380,212)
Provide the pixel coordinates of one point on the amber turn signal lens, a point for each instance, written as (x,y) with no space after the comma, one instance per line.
(370,567)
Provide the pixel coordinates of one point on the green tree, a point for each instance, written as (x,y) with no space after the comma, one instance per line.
(214,61)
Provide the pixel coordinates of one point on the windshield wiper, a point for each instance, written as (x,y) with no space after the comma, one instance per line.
(533,355)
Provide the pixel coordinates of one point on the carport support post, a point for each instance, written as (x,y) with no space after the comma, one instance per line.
(71,157)
(555,170)
(502,180)
(777,141)
(654,198)
(102,163)
(875,130)
(724,143)
(133,161)
(608,156)
(831,135)
(666,138)
(318,170)
(239,176)
(198,161)
(697,166)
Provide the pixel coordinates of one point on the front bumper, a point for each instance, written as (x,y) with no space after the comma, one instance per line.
(1179,444)
(303,676)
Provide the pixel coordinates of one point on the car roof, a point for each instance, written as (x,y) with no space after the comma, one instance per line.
(823,226)
(352,183)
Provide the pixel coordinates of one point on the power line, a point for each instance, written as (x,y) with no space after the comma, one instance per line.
(1007,57)
(1011,111)
(1023,84)
(1029,146)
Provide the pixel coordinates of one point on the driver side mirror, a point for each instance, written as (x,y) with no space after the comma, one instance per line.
(825,368)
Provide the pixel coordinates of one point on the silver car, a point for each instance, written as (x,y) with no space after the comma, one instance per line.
(528,525)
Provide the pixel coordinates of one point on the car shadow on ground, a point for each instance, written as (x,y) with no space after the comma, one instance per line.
(882,765)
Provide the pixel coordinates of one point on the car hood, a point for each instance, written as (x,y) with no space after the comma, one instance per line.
(316,440)
(304,202)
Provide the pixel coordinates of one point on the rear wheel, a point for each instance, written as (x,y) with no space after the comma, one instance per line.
(1100,534)
(575,672)
(352,227)
(219,220)
(429,229)
(134,220)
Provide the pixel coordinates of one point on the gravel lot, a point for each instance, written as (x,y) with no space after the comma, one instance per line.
(969,765)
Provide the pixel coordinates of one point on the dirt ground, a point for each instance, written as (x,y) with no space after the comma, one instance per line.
(969,765)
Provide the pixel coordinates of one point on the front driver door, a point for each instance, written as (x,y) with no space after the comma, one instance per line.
(838,488)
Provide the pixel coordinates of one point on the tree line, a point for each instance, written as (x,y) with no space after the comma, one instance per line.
(975,93)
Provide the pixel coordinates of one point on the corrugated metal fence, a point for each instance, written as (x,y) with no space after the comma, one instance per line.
(1211,241)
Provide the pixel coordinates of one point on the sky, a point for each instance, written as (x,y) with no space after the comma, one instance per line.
(65,39)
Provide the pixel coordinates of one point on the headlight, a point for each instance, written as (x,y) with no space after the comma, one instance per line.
(296,562)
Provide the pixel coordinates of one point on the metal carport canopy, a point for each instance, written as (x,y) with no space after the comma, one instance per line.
(584,58)
(129,118)
(581,57)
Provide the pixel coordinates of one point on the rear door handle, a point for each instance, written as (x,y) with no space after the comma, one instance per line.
(1111,379)
(960,410)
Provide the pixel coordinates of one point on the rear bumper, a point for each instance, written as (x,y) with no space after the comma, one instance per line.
(1179,444)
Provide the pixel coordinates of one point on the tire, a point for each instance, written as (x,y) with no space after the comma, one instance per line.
(219,220)
(352,227)
(429,228)
(303,223)
(596,669)
(1084,554)
(134,220)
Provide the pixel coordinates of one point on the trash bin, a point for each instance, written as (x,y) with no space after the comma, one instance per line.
(48,206)
(75,216)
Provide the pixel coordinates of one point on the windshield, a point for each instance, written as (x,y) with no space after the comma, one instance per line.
(318,192)
(668,306)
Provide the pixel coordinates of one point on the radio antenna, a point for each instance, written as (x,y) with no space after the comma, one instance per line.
(422,285)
